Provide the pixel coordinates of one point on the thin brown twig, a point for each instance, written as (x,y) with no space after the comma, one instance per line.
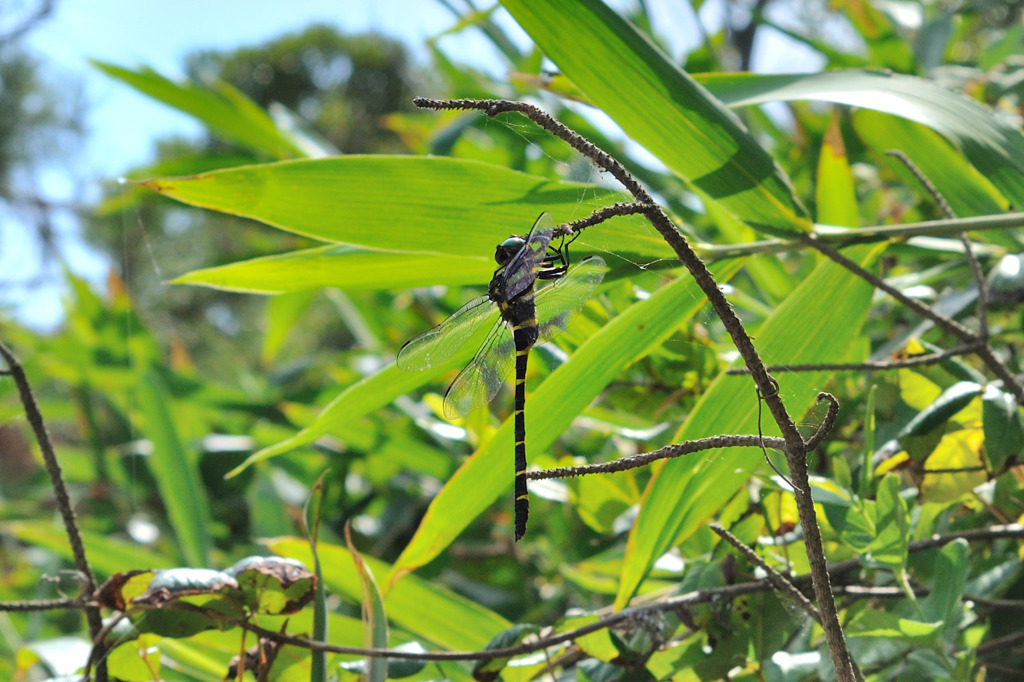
(950,214)
(879,365)
(60,490)
(668,452)
(599,216)
(44,605)
(689,447)
(827,423)
(711,595)
(778,581)
(843,237)
(845,666)
(984,353)
(493,107)
(1000,643)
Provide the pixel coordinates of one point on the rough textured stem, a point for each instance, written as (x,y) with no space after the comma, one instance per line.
(983,351)
(60,490)
(795,448)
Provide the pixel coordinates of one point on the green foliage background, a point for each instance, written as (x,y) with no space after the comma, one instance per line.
(338,223)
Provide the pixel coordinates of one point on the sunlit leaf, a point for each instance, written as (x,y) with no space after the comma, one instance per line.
(627,77)
(992,144)
(411,205)
(955,467)
(431,611)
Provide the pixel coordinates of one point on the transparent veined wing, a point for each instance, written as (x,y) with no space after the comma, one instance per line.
(521,271)
(480,380)
(437,346)
(559,303)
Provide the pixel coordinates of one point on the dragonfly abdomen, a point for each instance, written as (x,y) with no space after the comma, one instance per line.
(521,315)
(524,333)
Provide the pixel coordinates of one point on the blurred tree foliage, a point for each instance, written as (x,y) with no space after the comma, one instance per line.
(41,121)
(339,90)
(341,85)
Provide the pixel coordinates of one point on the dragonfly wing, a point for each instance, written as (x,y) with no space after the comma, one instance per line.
(559,303)
(479,381)
(436,346)
(521,271)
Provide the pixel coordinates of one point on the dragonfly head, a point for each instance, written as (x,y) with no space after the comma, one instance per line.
(508,248)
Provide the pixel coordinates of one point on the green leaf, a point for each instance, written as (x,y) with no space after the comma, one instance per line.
(814,324)
(954,468)
(854,523)
(224,109)
(890,626)
(206,591)
(273,585)
(311,516)
(992,144)
(356,401)
(767,272)
(629,78)
(375,620)
(836,196)
(885,45)
(550,410)
(410,204)
(967,191)
(952,568)
(344,267)
(107,554)
(892,521)
(926,664)
(870,418)
(175,471)
(420,606)
(1000,418)
(942,409)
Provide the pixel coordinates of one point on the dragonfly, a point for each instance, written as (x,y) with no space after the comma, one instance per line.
(526,316)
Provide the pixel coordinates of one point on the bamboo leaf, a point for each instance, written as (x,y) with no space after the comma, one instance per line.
(625,75)
(419,606)
(411,205)
(175,472)
(815,324)
(992,144)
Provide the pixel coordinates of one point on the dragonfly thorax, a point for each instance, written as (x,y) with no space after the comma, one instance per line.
(508,248)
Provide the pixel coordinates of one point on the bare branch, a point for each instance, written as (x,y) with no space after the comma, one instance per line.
(777,580)
(914,361)
(795,447)
(60,491)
